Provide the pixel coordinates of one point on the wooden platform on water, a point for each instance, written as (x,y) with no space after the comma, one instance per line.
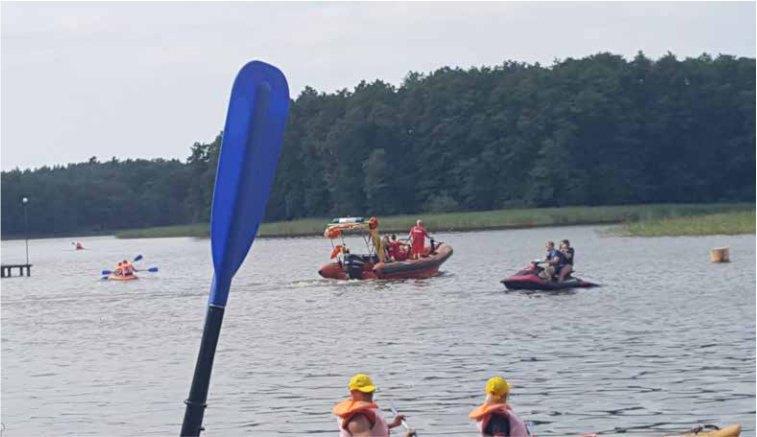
(6,270)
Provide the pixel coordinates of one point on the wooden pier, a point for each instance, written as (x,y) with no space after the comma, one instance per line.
(7,269)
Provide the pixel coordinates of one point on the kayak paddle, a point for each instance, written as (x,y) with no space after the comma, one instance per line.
(137,258)
(252,138)
(394,411)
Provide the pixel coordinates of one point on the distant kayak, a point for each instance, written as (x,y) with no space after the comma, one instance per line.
(114,277)
(529,279)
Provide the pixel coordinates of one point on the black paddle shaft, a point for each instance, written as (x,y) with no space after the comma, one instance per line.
(198,393)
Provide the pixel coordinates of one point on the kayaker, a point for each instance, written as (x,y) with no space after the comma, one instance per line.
(127,268)
(79,246)
(119,270)
(569,253)
(495,417)
(418,236)
(359,415)
(556,260)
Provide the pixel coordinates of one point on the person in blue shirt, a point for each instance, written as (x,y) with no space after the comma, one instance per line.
(555,259)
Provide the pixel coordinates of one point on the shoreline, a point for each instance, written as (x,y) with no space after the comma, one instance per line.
(633,221)
(505,219)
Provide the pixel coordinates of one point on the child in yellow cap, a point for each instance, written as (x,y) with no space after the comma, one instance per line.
(495,417)
(359,415)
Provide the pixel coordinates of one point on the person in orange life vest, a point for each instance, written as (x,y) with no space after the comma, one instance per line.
(418,234)
(128,268)
(495,417)
(119,270)
(360,416)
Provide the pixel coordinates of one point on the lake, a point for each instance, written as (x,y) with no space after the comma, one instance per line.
(667,342)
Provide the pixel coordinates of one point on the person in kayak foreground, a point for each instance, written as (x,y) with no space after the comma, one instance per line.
(556,261)
(360,416)
(495,417)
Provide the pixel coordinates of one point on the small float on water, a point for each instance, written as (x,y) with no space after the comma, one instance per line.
(375,264)
(529,278)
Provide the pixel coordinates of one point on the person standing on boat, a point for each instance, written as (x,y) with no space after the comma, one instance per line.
(569,253)
(359,415)
(418,235)
(495,417)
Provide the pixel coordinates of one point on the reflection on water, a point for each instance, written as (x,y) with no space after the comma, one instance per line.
(668,341)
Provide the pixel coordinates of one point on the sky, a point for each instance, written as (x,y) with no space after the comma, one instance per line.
(148,80)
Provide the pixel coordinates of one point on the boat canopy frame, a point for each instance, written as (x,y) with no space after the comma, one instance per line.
(352,225)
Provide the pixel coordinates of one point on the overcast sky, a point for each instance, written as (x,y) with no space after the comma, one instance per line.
(147,80)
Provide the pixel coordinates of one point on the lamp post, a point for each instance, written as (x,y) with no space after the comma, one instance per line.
(24,203)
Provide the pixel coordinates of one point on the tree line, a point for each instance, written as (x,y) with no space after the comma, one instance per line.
(600,130)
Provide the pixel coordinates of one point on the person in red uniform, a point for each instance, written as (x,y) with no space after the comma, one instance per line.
(397,250)
(418,235)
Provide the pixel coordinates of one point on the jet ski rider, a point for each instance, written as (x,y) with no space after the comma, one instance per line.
(556,261)
(569,252)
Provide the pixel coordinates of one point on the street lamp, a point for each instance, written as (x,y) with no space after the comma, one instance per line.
(24,203)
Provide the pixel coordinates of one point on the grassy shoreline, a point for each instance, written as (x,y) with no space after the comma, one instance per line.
(500,219)
(730,223)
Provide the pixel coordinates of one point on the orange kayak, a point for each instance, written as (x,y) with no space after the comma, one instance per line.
(114,277)
(728,431)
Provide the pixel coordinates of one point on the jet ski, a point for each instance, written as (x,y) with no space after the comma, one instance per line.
(529,278)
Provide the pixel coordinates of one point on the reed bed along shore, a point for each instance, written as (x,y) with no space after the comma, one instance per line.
(728,223)
(634,217)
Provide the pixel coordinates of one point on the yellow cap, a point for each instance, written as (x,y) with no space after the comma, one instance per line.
(497,386)
(362,383)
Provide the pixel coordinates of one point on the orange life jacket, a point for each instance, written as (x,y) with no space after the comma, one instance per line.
(348,409)
(484,412)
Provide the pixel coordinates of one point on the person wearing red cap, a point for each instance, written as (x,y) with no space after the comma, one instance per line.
(360,416)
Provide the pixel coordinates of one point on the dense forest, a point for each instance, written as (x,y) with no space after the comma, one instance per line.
(594,131)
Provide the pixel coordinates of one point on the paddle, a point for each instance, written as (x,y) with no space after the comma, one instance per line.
(252,139)
(394,411)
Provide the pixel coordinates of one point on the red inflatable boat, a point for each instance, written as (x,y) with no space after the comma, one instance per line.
(376,265)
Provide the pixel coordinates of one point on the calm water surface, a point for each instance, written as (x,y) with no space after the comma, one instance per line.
(667,342)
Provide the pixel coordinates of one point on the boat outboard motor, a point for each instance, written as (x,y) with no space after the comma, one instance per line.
(354,265)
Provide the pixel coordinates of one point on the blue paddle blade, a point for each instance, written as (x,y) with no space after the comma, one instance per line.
(137,258)
(252,137)
(107,272)
(152,269)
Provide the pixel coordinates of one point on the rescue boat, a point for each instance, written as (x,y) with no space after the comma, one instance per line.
(376,264)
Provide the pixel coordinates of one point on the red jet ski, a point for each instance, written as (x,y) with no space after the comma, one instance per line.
(529,279)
